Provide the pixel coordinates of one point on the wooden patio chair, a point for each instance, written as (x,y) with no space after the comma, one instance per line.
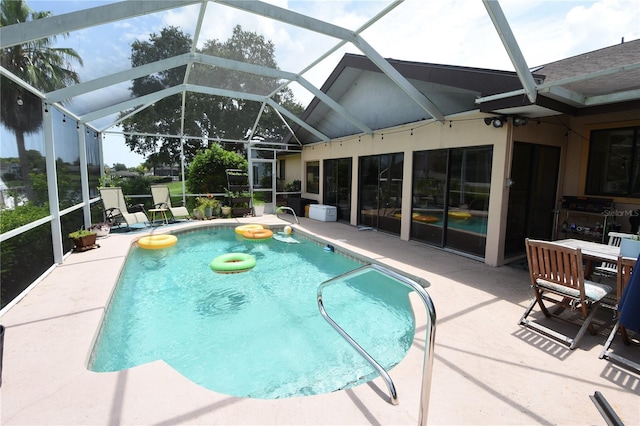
(625,266)
(162,200)
(557,276)
(116,210)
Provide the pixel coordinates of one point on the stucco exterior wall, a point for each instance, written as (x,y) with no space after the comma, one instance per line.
(458,131)
(292,168)
(571,134)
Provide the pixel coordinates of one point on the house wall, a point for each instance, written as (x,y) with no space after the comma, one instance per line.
(292,168)
(571,134)
(458,131)
(578,156)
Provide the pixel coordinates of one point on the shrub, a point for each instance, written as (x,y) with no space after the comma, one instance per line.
(206,173)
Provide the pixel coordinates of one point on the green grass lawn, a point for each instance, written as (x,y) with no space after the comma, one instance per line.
(175,188)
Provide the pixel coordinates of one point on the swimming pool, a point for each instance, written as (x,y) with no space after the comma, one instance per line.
(254,334)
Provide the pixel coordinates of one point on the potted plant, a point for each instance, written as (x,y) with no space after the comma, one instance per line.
(198,212)
(83,239)
(207,207)
(226,211)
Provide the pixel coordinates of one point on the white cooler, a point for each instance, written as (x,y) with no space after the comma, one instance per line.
(323,212)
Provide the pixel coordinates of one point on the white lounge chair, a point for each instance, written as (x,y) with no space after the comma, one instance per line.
(162,200)
(116,210)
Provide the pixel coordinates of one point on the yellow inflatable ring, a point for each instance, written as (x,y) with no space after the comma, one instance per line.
(460,215)
(257,234)
(426,219)
(243,228)
(155,242)
(233,263)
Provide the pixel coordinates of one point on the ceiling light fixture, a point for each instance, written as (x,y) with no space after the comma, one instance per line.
(498,122)
(519,121)
(19,101)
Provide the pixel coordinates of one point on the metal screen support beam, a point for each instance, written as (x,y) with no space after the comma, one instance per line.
(25,32)
(52,183)
(84,176)
(511,45)
(321,27)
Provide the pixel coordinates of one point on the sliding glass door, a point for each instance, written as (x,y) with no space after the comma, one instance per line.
(450,199)
(429,196)
(380,191)
(337,186)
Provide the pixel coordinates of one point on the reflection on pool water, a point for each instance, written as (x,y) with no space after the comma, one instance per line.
(472,222)
(253,334)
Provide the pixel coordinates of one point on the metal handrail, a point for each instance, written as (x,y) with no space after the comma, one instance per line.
(279,209)
(429,341)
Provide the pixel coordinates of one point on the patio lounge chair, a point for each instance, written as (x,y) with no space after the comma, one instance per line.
(626,266)
(116,210)
(162,200)
(557,271)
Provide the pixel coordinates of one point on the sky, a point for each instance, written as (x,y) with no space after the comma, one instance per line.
(453,32)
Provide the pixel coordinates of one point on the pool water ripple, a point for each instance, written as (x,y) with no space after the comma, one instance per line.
(254,334)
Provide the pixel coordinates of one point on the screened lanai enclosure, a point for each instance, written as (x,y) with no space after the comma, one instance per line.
(172,80)
(71,82)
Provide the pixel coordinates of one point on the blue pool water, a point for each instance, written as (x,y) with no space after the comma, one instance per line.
(253,334)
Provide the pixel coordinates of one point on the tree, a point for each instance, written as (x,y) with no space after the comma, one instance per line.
(163,117)
(205,116)
(41,65)
(206,174)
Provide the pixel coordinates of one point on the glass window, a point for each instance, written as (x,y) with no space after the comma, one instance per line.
(313,177)
(614,163)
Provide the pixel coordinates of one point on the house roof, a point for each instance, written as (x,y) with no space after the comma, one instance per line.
(603,80)
(358,86)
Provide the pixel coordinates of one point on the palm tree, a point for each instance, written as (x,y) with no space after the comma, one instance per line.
(44,67)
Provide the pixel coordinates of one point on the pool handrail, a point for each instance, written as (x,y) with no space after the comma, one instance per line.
(427,367)
(279,209)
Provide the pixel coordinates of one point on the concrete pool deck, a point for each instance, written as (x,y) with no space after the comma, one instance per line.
(487,370)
